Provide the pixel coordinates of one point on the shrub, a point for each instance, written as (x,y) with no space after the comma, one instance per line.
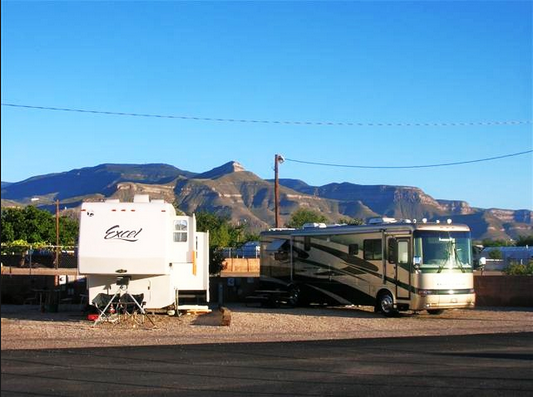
(518,269)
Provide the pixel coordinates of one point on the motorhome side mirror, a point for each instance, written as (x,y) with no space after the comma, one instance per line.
(417,261)
(482,261)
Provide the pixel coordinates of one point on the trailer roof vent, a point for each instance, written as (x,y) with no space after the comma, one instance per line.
(112,201)
(313,225)
(141,198)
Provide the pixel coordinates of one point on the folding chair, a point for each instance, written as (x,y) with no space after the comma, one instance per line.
(121,305)
(130,305)
(106,305)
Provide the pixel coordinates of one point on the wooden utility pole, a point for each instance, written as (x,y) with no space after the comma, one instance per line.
(278,159)
(57,235)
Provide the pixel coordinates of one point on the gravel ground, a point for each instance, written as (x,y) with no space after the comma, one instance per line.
(25,327)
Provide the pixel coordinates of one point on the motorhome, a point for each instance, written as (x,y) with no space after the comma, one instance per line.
(389,264)
(160,254)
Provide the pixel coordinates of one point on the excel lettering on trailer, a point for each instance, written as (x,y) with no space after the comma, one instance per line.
(115,233)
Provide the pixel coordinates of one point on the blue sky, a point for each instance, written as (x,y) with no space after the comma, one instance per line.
(361,62)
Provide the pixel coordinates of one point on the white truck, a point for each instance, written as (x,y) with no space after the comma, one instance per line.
(160,253)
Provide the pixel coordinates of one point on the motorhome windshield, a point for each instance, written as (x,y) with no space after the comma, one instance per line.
(441,251)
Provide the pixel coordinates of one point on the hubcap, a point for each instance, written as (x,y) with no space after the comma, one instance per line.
(294,296)
(386,303)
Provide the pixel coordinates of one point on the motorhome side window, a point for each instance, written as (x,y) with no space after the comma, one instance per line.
(403,252)
(180,231)
(353,249)
(372,249)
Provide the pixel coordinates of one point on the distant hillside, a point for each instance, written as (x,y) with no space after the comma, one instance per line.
(233,191)
(412,203)
(79,183)
(245,197)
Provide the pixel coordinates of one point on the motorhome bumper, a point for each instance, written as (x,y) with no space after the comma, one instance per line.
(426,292)
(450,301)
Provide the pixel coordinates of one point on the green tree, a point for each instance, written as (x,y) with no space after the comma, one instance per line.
(12,221)
(496,243)
(249,236)
(495,254)
(302,216)
(218,226)
(222,233)
(37,226)
(29,224)
(8,234)
(524,240)
(69,230)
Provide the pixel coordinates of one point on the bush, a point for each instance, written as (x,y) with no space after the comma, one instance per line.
(517,269)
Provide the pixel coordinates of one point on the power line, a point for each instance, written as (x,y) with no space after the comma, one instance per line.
(410,166)
(320,123)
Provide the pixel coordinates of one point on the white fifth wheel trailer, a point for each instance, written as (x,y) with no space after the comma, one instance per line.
(387,264)
(160,254)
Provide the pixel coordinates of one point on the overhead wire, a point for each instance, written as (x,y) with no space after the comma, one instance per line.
(285,122)
(410,166)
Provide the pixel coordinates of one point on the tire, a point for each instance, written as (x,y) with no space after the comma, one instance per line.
(385,304)
(295,295)
(436,312)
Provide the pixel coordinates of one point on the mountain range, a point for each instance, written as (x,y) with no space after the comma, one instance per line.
(244,197)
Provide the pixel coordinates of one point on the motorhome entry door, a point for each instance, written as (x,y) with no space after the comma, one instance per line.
(403,269)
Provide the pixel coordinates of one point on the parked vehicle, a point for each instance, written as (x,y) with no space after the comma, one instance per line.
(250,249)
(388,264)
(161,255)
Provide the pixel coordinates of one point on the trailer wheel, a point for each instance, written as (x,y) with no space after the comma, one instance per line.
(386,304)
(436,311)
(294,295)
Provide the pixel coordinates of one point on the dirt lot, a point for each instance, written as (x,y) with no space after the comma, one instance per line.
(25,327)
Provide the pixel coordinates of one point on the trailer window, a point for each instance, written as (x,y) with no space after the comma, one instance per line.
(372,249)
(180,231)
